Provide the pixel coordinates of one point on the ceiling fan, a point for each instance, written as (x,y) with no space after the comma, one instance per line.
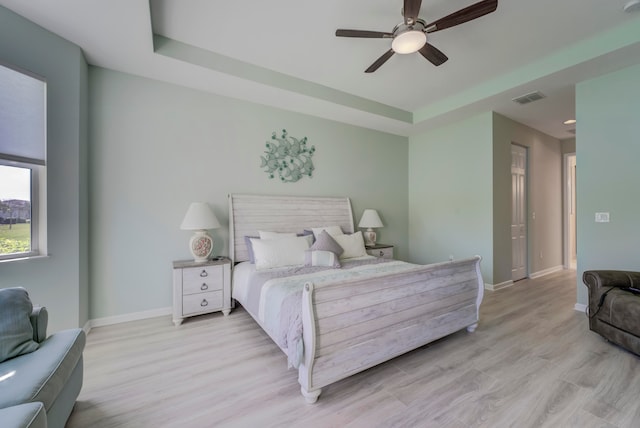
(411,35)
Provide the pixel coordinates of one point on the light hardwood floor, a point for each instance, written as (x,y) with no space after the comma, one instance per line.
(532,362)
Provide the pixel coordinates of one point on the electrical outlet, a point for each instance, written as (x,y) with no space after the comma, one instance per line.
(602,217)
(450,257)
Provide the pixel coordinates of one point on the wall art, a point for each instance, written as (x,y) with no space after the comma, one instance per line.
(288,157)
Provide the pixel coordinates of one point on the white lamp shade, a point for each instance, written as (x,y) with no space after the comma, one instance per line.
(199,217)
(370,218)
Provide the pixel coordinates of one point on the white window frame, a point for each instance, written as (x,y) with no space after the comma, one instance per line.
(38,210)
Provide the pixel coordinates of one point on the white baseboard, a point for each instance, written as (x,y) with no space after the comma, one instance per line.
(496,287)
(580,307)
(551,270)
(117,319)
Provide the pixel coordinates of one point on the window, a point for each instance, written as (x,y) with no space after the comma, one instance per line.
(22,165)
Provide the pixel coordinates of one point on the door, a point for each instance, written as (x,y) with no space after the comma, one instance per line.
(518,212)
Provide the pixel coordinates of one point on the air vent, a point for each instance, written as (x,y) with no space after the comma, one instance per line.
(571,131)
(529,98)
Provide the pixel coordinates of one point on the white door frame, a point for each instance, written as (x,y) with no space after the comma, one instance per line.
(569,193)
(523,272)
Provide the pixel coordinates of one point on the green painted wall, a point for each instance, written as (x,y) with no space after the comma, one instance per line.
(451,193)
(608,149)
(59,281)
(157,147)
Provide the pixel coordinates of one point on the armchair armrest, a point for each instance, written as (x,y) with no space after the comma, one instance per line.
(598,281)
(39,319)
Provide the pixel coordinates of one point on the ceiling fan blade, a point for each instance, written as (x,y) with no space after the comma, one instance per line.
(363,33)
(463,15)
(433,54)
(373,67)
(411,10)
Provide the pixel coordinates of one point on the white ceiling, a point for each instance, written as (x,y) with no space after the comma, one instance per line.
(284,53)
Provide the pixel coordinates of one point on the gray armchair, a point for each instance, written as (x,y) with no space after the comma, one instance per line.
(614,306)
(41,376)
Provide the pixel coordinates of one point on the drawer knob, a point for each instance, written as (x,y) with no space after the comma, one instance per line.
(381,253)
(204,302)
(204,286)
(204,273)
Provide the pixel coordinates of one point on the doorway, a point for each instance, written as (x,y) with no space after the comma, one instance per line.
(570,235)
(519,257)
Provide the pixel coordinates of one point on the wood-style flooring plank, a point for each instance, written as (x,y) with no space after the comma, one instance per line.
(532,362)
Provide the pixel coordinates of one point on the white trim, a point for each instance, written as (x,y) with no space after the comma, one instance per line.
(567,202)
(546,272)
(496,287)
(135,316)
(580,307)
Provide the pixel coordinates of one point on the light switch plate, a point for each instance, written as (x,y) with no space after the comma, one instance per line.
(602,217)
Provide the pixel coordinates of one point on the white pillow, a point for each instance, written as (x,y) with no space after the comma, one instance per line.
(331,230)
(275,235)
(353,245)
(271,253)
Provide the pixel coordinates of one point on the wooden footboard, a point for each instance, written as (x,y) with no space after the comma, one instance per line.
(352,326)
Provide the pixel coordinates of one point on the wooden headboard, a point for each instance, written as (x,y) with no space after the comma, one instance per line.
(250,213)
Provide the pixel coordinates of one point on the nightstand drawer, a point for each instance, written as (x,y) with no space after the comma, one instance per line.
(202,279)
(202,302)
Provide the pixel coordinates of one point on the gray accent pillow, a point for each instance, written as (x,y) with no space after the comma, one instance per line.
(16,332)
(247,242)
(324,252)
(325,242)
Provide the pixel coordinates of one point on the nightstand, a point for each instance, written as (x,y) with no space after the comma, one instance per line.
(201,288)
(380,250)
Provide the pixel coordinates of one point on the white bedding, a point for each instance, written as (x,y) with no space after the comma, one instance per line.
(273,298)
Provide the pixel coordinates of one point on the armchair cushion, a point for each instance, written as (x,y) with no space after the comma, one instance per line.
(621,309)
(42,375)
(28,415)
(16,331)
(39,320)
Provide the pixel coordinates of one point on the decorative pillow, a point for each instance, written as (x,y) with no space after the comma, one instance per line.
(16,332)
(272,235)
(247,242)
(270,253)
(325,242)
(321,258)
(331,230)
(353,245)
(324,252)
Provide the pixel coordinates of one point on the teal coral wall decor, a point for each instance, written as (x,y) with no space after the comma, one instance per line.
(289,157)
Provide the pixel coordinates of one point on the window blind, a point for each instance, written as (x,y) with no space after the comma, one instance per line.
(22,117)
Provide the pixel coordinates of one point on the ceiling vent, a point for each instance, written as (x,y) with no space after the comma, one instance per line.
(529,98)
(571,131)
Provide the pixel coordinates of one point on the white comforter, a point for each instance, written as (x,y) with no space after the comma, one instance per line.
(274,297)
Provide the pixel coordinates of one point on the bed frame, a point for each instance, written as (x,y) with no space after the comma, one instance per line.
(351,326)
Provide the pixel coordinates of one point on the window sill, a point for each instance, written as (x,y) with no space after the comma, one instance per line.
(25,258)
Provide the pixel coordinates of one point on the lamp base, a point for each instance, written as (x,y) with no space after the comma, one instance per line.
(201,245)
(369,237)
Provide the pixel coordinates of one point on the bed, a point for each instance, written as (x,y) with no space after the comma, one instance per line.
(333,323)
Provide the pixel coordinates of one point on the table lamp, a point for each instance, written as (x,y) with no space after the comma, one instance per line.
(199,218)
(370,219)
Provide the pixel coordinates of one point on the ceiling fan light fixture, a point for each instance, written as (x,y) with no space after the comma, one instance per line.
(409,41)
